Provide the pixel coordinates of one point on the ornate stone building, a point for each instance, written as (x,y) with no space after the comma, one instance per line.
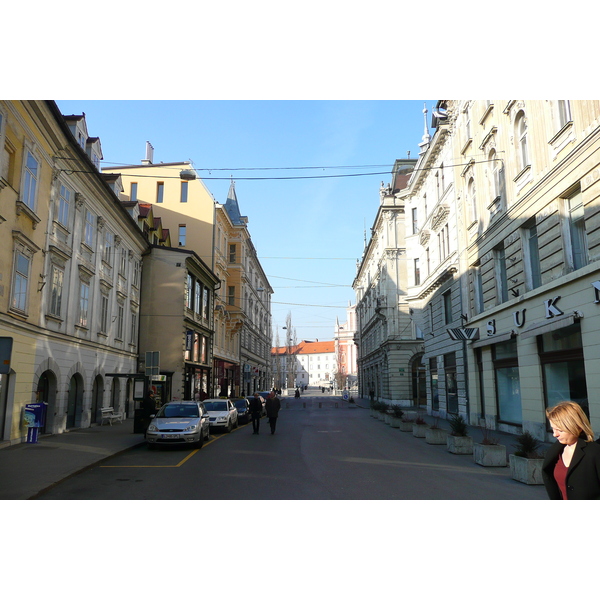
(386,335)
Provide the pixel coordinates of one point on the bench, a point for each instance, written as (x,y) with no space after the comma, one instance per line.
(109,414)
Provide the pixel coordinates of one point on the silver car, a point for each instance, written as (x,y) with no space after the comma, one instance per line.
(179,423)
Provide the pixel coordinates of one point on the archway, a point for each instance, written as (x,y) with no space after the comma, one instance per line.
(46,392)
(419,381)
(75,402)
(97,398)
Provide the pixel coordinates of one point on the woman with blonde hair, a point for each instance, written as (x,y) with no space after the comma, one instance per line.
(571,469)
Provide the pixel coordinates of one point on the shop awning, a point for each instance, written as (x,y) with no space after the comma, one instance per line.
(493,339)
(551,325)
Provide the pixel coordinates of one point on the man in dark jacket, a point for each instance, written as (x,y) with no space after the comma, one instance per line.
(256,412)
(272,405)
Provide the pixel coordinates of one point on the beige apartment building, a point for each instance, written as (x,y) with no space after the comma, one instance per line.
(242,306)
(70,265)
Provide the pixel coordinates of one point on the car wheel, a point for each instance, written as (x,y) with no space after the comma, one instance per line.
(200,441)
(229,426)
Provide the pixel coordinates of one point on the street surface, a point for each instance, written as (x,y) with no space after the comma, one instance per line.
(323,450)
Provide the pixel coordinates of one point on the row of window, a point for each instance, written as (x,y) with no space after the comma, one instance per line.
(160,192)
(197,296)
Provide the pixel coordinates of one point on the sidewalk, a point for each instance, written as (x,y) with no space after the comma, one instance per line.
(506,439)
(28,469)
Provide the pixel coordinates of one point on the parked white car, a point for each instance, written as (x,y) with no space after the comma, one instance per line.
(179,423)
(222,413)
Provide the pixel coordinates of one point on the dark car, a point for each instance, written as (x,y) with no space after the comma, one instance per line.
(243,408)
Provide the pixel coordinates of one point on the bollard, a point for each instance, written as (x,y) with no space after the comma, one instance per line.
(320,404)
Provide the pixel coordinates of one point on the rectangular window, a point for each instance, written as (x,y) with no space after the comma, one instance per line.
(561,357)
(160,191)
(120,321)
(136,274)
(182,234)
(108,247)
(184,191)
(501,278)
(104,314)
(532,256)
(205,303)
(123,263)
(417,272)
(198,297)
(21,282)
(433,380)
(478,289)
(576,231)
(451,383)
(56,291)
(30,181)
(189,292)
(508,387)
(134,191)
(64,202)
(84,298)
(415,223)
(232,253)
(231,295)
(133,336)
(447,300)
(88,234)
(564,113)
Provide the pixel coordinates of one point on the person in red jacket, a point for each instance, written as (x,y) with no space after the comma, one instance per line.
(571,468)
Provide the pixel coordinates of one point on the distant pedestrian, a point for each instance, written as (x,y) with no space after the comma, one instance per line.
(571,469)
(273,405)
(297,393)
(256,412)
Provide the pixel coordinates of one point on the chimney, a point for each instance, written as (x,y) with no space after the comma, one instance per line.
(149,154)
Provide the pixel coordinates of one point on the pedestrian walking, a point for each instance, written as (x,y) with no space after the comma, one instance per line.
(273,405)
(571,468)
(255,412)
(296,394)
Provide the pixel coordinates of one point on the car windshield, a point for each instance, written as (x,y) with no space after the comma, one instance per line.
(183,411)
(215,405)
(240,404)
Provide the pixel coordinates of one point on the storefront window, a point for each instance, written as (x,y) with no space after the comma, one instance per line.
(433,377)
(451,386)
(561,356)
(508,387)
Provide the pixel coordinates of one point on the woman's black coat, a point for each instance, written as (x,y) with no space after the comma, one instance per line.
(583,474)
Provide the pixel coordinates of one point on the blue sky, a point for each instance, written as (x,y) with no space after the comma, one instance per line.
(308,233)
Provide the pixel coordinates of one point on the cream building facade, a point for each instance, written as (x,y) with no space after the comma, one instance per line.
(528,185)
(434,291)
(70,268)
(243,306)
(386,337)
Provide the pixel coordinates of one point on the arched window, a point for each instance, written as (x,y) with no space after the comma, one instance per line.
(521,137)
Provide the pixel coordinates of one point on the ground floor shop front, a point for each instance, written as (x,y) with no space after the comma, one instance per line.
(536,351)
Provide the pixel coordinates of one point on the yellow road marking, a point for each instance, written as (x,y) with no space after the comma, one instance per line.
(214,439)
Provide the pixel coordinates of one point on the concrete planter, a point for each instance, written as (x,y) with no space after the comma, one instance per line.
(488,455)
(459,444)
(419,430)
(436,436)
(526,470)
(406,426)
(394,421)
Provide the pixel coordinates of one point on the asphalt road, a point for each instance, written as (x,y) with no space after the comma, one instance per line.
(319,452)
